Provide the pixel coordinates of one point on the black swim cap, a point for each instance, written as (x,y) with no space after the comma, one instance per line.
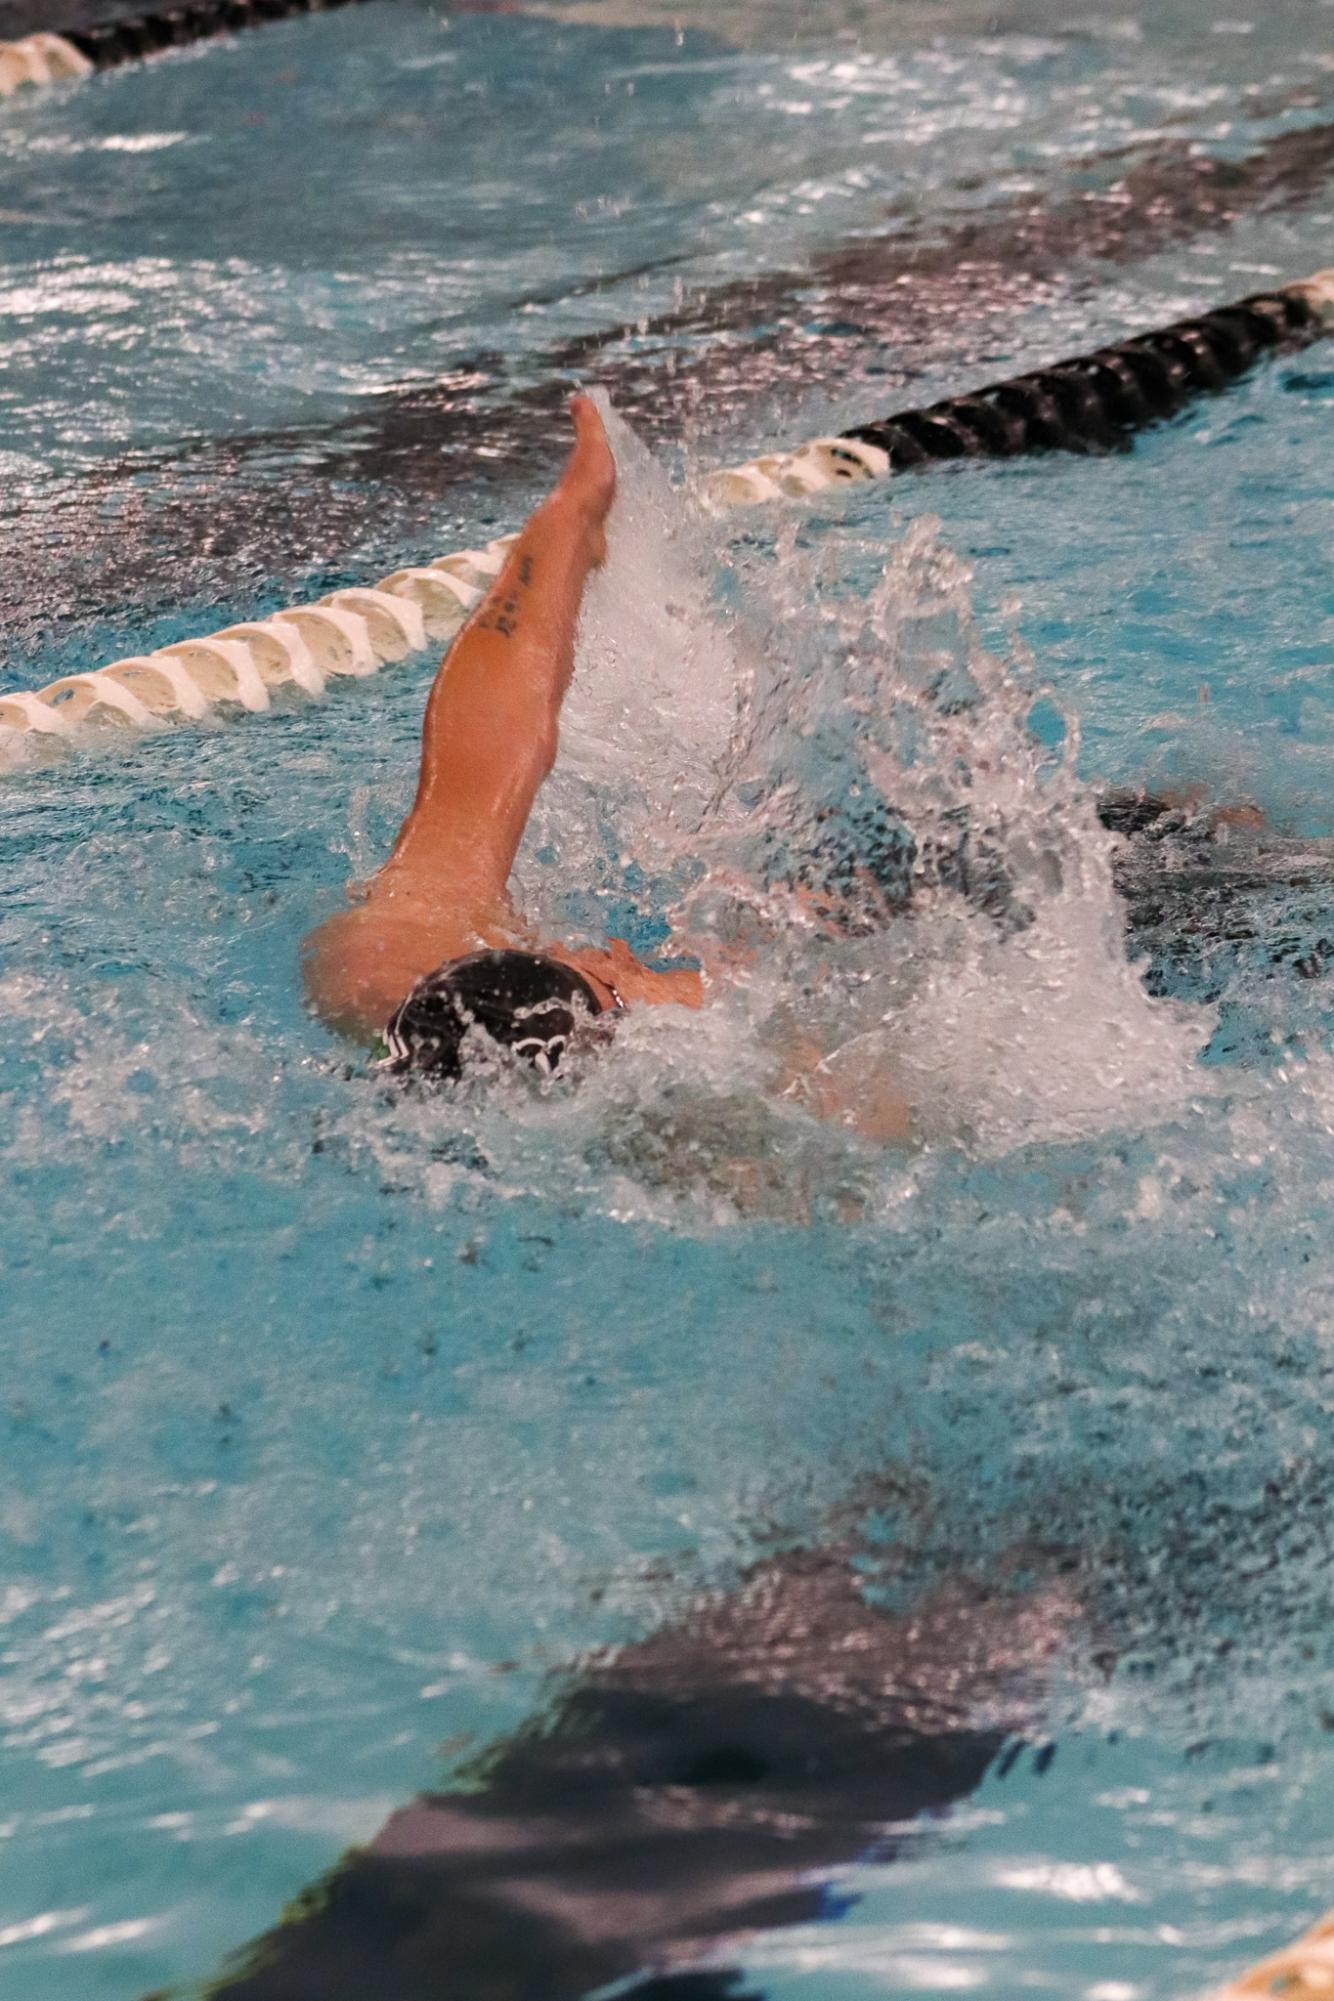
(524,1001)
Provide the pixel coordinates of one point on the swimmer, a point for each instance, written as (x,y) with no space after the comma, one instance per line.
(433,960)
(432,954)
(433,949)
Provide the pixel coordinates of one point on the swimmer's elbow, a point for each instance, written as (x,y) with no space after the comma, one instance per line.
(347,986)
(335,1000)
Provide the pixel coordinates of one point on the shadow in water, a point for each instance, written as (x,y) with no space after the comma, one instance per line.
(678,1794)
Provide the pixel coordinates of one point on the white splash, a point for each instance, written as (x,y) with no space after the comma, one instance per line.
(654,701)
(732,757)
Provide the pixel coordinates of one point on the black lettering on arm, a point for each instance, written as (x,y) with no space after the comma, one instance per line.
(502,614)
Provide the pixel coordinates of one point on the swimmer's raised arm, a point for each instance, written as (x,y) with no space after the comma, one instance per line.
(488,742)
(492,721)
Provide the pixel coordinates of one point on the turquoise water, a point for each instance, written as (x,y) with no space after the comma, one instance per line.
(333,1424)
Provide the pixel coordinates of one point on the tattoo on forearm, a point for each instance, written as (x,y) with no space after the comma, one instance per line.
(502,614)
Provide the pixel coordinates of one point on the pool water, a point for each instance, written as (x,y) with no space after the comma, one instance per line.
(336,1423)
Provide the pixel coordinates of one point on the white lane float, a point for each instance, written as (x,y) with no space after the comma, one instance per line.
(43,58)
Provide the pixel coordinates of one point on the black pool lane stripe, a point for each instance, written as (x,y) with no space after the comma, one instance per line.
(107,43)
(686,1792)
(1094,402)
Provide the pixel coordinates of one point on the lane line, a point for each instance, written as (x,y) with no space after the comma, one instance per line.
(1086,403)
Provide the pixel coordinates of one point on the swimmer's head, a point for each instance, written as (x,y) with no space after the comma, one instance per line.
(526,1002)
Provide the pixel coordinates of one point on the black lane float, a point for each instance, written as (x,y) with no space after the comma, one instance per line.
(131,37)
(1088,403)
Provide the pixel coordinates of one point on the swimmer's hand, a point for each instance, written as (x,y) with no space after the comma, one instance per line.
(589,480)
(1195,800)
(633,982)
(839,1089)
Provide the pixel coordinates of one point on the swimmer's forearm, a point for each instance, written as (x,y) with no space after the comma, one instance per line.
(491,726)
(532,609)
(537,595)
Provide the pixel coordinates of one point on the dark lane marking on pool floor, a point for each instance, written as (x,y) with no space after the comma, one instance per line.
(678,1796)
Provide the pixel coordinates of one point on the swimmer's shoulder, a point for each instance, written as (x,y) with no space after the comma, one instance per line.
(356,968)
(361,962)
